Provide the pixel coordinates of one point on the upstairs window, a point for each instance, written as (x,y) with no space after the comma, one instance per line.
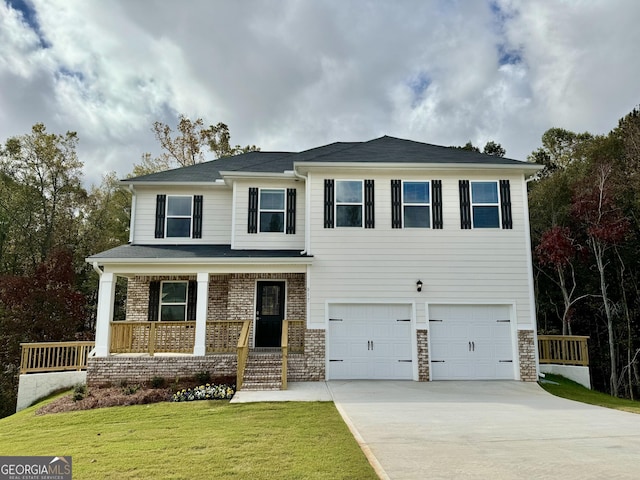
(178,216)
(349,203)
(173,301)
(416,204)
(272,210)
(485,205)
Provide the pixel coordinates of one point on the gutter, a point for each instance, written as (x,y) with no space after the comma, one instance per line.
(132,218)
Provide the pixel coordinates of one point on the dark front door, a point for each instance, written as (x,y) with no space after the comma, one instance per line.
(269,313)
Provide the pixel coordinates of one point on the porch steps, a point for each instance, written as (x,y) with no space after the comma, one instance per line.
(263,372)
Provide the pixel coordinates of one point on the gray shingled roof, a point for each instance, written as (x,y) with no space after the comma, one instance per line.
(140,252)
(380,150)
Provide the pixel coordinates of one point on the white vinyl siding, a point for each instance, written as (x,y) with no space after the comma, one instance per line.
(216,215)
(242,240)
(453,264)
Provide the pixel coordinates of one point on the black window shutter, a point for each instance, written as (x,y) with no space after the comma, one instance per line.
(192,300)
(252,226)
(160,207)
(465,205)
(369,204)
(329,189)
(154,301)
(436,203)
(197,216)
(291,210)
(505,204)
(396,203)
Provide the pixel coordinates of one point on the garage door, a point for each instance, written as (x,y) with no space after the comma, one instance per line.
(370,342)
(471,342)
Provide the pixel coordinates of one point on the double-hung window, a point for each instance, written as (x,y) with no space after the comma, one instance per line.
(272,210)
(485,204)
(349,203)
(173,301)
(416,204)
(178,216)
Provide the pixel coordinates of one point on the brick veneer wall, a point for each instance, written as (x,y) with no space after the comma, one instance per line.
(527,351)
(423,355)
(103,371)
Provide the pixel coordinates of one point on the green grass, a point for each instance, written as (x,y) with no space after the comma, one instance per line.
(203,439)
(574,391)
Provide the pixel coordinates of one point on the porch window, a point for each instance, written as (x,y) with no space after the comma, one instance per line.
(173,301)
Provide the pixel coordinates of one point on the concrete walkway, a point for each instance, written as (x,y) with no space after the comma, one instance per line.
(487,430)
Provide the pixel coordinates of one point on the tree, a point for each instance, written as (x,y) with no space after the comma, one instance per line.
(185,147)
(605,227)
(495,149)
(558,250)
(560,148)
(40,176)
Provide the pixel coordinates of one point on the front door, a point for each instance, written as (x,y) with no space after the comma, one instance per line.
(269,313)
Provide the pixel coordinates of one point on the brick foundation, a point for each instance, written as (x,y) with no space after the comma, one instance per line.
(423,355)
(527,351)
(113,370)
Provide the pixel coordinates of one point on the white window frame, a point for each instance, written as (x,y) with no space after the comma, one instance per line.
(185,303)
(336,203)
(167,216)
(479,204)
(428,204)
(283,211)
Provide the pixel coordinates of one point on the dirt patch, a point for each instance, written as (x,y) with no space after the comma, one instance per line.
(107,397)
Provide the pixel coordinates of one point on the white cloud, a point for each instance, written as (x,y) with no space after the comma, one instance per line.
(298,74)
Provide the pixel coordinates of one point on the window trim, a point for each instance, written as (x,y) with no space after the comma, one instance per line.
(429,205)
(283,211)
(497,204)
(167,216)
(185,303)
(336,203)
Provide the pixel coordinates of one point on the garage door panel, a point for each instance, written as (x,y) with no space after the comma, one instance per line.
(471,342)
(369,340)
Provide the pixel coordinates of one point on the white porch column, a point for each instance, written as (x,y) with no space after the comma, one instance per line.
(199,347)
(106,296)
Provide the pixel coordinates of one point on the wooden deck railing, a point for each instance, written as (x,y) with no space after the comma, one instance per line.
(243,352)
(152,337)
(563,349)
(54,356)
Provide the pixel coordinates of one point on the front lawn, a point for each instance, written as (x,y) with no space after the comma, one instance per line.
(203,439)
(565,388)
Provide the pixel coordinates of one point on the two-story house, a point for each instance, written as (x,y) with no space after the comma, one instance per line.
(386,259)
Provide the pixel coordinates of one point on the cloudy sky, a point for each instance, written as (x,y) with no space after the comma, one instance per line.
(295,74)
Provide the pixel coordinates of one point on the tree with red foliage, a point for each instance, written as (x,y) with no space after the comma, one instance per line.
(558,249)
(43,307)
(594,206)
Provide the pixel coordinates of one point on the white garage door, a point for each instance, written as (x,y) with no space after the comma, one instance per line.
(471,342)
(370,342)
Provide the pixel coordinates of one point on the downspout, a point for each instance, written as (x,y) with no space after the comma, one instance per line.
(132,219)
(97,269)
(307,211)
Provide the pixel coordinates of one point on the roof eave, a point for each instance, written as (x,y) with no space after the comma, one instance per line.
(202,261)
(525,167)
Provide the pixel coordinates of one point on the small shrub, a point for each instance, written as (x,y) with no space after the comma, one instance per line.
(202,377)
(79,392)
(158,382)
(130,389)
(205,392)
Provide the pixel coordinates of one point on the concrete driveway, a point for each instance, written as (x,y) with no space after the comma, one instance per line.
(486,430)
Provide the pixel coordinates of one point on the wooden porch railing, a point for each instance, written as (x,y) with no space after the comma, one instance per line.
(243,352)
(292,340)
(284,345)
(152,337)
(54,356)
(223,336)
(563,350)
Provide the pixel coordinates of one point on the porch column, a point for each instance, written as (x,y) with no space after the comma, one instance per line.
(199,347)
(106,296)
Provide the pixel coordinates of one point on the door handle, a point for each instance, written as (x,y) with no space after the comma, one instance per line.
(368,344)
(469,346)
(473,346)
(371,344)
